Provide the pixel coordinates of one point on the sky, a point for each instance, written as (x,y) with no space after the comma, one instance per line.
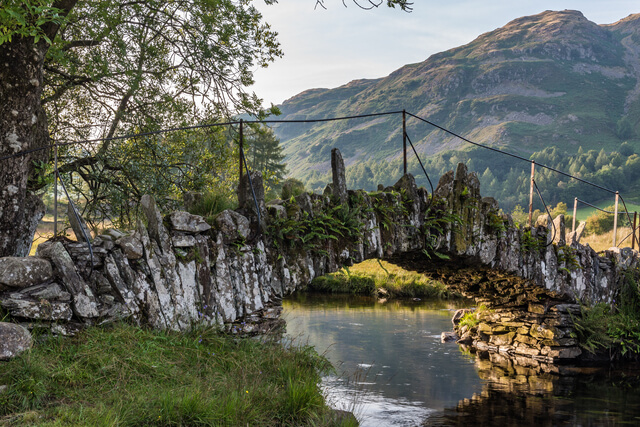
(329,48)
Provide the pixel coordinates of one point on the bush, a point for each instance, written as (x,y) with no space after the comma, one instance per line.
(292,188)
(600,222)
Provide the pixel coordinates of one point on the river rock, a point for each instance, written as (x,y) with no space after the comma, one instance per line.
(22,272)
(14,339)
(448,336)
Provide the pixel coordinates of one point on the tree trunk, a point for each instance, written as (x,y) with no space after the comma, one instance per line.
(23,126)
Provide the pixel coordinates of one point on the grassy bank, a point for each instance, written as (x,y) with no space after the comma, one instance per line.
(127,376)
(379,278)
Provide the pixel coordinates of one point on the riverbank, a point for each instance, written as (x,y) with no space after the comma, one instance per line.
(383,280)
(125,375)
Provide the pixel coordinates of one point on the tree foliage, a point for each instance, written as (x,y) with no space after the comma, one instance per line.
(264,153)
(26,18)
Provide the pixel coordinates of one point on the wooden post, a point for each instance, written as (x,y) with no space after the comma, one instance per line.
(633,235)
(533,171)
(575,211)
(241,154)
(615,220)
(55,190)
(404,139)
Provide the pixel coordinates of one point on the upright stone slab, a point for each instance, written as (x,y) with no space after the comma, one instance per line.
(246,194)
(560,232)
(78,225)
(84,302)
(339,181)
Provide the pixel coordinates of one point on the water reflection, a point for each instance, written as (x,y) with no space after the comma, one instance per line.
(516,396)
(391,364)
(393,370)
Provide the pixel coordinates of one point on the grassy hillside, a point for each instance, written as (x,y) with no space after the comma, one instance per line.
(553,79)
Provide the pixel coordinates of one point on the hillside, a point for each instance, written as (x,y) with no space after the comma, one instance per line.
(553,79)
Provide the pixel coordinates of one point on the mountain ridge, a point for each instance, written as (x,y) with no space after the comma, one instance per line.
(554,78)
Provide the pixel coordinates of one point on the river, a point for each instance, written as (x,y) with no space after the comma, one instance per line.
(393,370)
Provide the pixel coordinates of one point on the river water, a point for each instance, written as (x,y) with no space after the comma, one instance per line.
(393,370)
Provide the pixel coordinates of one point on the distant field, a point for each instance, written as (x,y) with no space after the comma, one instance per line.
(583,211)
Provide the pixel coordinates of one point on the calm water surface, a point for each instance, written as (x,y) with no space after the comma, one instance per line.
(392,370)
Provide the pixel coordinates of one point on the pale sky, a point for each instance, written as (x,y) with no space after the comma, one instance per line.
(329,48)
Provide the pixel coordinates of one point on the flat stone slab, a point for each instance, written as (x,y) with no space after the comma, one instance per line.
(16,272)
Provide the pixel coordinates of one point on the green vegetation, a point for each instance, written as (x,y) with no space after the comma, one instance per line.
(472,318)
(212,203)
(264,154)
(311,232)
(612,329)
(127,376)
(382,279)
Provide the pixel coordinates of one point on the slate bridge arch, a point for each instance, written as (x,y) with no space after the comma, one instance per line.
(178,270)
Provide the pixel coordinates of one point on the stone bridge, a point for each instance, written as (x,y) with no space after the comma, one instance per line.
(178,270)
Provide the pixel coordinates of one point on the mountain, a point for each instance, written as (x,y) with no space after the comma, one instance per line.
(552,79)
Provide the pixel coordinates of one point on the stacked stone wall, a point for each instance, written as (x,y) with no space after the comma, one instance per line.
(174,271)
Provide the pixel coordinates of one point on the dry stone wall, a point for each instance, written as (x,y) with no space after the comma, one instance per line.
(176,270)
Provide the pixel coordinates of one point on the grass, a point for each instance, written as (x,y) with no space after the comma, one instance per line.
(382,279)
(126,376)
(601,242)
(583,211)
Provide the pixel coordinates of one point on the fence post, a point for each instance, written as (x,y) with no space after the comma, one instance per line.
(615,220)
(533,171)
(575,211)
(55,190)
(404,139)
(241,154)
(633,230)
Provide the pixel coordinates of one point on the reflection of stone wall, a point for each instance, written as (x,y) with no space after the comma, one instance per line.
(516,395)
(177,270)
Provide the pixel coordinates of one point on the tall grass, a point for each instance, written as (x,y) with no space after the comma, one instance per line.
(601,242)
(212,203)
(382,279)
(127,376)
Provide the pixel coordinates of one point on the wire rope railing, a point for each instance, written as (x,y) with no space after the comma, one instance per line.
(244,166)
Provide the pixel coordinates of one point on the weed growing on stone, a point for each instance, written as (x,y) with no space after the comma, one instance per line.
(435,225)
(615,328)
(311,232)
(530,243)
(124,375)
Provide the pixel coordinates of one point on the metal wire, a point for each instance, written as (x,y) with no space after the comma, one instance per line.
(255,199)
(548,213)
(510,154)
(423,170)
(75,213)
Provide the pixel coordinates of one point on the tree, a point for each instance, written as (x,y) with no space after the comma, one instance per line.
(26,28)
(264,153)
(109,68)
